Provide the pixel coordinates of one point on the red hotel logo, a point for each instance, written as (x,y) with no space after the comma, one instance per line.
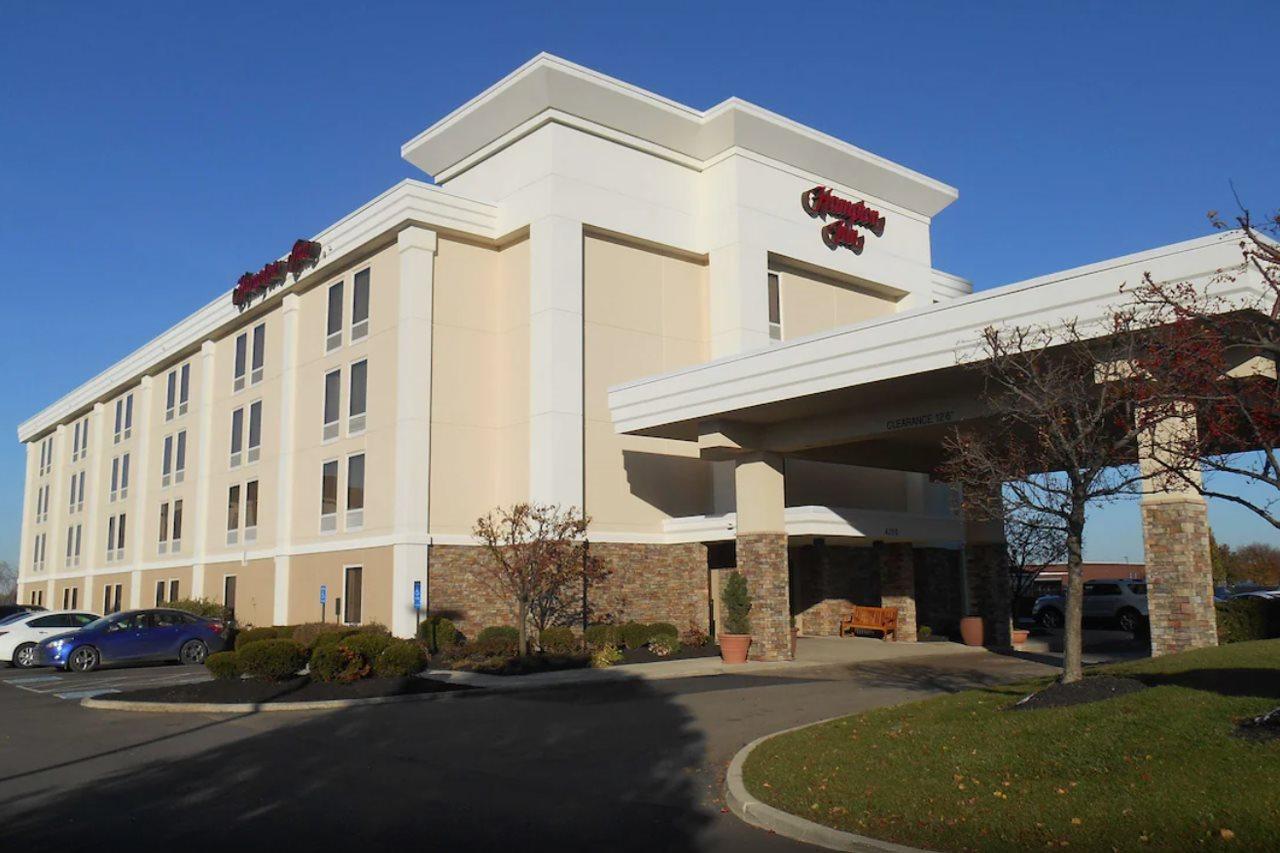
(821,202)
(304,254)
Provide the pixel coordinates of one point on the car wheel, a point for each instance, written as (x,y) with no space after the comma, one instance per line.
(24,656)
(83,659)
(1050,619)
(193,652)
(1129,620)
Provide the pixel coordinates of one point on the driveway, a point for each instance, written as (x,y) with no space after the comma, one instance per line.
(628,766)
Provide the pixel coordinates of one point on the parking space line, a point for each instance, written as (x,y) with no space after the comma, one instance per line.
(84,694)
(33,679)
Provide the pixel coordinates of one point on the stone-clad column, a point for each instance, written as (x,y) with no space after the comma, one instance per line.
(898,586)
(1175,532)
(762,552)
(986,569)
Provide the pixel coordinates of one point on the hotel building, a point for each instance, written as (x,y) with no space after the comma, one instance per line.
(760,298)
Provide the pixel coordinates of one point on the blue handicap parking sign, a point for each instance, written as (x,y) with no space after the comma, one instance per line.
(324,593)
(417,595)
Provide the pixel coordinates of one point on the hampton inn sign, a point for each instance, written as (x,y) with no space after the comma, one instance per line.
(821,202)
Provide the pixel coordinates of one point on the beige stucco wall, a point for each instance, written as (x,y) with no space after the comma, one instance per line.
(828,484)
(645,312)
(255,589)
(479,382)
(100,582)
(149,578)
(308,571)
(813,303)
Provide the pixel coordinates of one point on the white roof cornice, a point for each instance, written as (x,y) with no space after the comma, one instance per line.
(408,202)
(548,84)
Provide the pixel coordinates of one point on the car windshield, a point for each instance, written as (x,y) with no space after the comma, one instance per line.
(108,620)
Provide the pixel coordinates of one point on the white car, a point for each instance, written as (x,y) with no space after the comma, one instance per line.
(20,637)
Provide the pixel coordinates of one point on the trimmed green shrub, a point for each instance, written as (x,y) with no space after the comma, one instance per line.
(664,645)
(634,634)
(274,660)
(255,635)
(401,659)
(336,663)
(605,656)
(599,636)
(558,641)
(505,632)
(368,643)
(206,607)
(309,632)
(736,602)
(330,639)
(662,628)
(1243,619)
(224,665)
(439,633)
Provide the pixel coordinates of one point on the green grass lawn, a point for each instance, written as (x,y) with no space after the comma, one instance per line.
(1155,770)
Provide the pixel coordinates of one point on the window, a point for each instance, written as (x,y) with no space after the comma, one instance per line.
(184,389)
(351,595)
(111,598)
(164,529)
(173,590)
(73,546)
(360,306)
(166,462)
(42,504)
(171,395)
(355,492)
(251,511)
(329,497)
(233,515)
(242,352)
(115,537)
(332,403)
(120,477)
(124,418)
(75,443)
(229,595)
(775,308)
(46,456)
(357,397)
(37,556)
(175,544)
(237,436)
(84,439)
(177,391)
(160,589)
(180,458)
(75,498)
(70,601)
(255,431)
(333,328)
(259,353)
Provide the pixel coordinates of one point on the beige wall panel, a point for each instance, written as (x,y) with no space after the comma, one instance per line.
(255,589)
(308,571)
(625,288)
(812,304)
(828,484)
(100,582)
(462,476)
(59,587)
(151,576)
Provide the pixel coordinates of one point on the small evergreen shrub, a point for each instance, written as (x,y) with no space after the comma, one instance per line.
(223,665)
(308,633)
(497,640)
(599,636)
(1244,619)
(328,639)
(663,629)
(736,603)
(369,644)
(605,656)
(255,635)
(558,641)
(635,634)
(206,607)
(336,663)
(665,645)
(273,660)
(505,632)
(439,633)
(401,659)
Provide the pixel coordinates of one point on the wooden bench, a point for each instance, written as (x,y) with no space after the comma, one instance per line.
(882,619)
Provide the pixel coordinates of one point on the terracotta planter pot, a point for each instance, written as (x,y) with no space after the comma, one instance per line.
(971,630)
(1020,636)
(733,647)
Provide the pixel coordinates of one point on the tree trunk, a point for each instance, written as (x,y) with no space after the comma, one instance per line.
(1073,628)
(524,626)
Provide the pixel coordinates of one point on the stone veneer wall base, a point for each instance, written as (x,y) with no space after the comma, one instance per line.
(1179,574)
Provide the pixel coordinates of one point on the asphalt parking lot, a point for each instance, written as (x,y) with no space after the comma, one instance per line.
(80,685)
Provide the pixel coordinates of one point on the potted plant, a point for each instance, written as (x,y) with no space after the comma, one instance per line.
(735,640)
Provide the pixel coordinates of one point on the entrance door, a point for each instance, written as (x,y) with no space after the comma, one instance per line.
(229,595)
(351,594)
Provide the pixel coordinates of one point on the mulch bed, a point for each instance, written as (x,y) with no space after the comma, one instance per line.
(1093,689)
(301,689)
(535,663)
(643,655)
(1264,727)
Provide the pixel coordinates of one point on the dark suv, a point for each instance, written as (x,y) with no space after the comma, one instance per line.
(1120,603)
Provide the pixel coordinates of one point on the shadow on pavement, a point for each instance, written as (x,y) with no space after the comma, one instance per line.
(479,773)
(925,677)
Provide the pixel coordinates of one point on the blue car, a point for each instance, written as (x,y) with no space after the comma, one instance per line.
(135,636)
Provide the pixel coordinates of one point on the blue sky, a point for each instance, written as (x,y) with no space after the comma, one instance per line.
(150,155)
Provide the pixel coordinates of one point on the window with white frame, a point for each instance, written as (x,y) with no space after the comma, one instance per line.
(357,397)
(259,353)
(360,306)
(71,598)
(166,462)
(111,595)
(180,457)
(43,467)
(329,496)
(173,590)
(242,360)
(124,418)
(84,439)
(177,392)
(237,437)
(119,478)
(75,496)
(255,432)
(355,491)
(251,511)
(163,545)
(42,504)
(333,323)
(170,528)
(75,442)
(775,307)
(332,403)
(115,538)
(37,553)
(175,539)
(233,515)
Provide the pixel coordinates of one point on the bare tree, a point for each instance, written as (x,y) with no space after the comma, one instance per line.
(8,583)
(531,549)
(1211,348)
(1034,543)
(1060,437)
